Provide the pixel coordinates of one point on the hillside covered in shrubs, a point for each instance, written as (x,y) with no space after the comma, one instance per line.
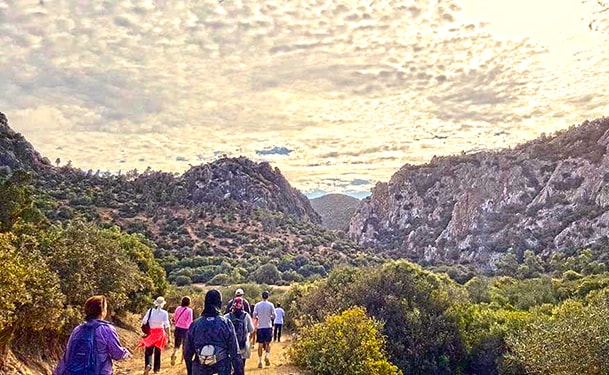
(229,221)
(49,270)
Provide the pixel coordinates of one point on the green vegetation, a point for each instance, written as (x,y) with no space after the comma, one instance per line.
(196,240)
(500,325)
(354,312)
(50,270)
(349,343)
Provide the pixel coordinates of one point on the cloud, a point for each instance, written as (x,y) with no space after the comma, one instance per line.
(355,89)
(274,151)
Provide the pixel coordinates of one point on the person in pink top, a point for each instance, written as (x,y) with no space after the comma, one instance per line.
(182,318)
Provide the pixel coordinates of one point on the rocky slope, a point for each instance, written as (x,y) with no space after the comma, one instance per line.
(335,210)
(241,181)
(16,152)
(547,195)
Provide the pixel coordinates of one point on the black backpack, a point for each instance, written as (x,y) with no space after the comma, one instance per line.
(80,356)
(240,330)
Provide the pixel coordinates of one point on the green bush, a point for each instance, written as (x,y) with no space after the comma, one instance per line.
(413,304)
(570,340)
(27,286)
(349,343)
(267,274)
(220,279)
(183,280)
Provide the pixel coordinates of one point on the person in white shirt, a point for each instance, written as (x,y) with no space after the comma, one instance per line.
(279,315)
(264,311)
(155,342)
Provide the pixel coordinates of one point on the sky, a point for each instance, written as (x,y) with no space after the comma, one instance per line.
(337,94)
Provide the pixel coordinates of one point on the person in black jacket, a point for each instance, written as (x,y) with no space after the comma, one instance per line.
(211,343)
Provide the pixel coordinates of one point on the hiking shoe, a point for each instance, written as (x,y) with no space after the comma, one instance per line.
(147,369)
(173,359)
(259,364)
(267,362)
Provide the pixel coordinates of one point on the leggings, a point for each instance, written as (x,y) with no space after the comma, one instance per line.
(277,332)
(157,357)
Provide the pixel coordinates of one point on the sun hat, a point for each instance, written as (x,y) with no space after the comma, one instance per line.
(160,301)
(239,292)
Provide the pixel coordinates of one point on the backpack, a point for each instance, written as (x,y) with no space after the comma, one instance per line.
(211,329)
(239,324)
(80,355)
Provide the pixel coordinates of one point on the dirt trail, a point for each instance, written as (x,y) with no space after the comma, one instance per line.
(279,362)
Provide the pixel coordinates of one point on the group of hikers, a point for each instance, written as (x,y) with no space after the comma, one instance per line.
(218,342)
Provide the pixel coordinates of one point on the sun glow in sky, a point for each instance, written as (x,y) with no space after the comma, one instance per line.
(337,94)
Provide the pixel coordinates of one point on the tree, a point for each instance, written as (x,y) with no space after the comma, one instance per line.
(95,261)
(16,202)
(413,304)
(27,287)
(267,274)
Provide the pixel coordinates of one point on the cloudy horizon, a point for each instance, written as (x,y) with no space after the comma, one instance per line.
(337,95)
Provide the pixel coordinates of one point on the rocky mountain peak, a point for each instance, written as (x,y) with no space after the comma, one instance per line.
(547,195)
(247,183)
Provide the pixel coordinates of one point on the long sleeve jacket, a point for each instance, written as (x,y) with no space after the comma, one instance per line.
(223,337)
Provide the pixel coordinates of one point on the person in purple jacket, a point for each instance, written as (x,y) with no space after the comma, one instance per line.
(106,343)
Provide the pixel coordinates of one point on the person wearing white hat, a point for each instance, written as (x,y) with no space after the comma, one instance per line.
(157,339)
(246,304)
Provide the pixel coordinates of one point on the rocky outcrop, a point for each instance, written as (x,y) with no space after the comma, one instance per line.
(546,195)
(249,184)
(15,152)
(335,210)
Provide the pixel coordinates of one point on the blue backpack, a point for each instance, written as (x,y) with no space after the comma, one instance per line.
(80,356)
(209,346)
(239,324)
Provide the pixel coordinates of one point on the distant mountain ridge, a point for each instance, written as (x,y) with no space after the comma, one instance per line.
(547,195)
(335,210)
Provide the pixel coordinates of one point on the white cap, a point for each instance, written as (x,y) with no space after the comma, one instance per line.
(239,292)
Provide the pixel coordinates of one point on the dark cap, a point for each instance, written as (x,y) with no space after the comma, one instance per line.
(265,294)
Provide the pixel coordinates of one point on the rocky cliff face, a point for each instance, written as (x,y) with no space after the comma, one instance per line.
(16,152)
(546,195)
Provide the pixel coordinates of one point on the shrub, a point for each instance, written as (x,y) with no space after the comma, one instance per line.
(220,279)
(183,280)
(92,261)
(571,340)
(349,343)
(267,274)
